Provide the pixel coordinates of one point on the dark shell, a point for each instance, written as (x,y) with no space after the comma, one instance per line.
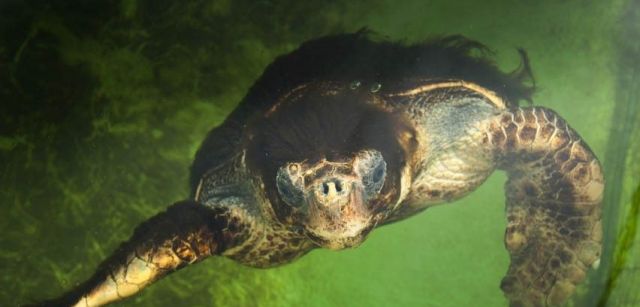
(360,58)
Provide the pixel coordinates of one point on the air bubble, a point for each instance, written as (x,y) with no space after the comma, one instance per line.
(375,87)
(355,84)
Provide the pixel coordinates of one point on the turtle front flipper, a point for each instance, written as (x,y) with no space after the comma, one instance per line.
(554,194)
(185,233)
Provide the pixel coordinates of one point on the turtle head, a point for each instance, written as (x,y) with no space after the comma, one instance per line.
(331,162)
(335,199)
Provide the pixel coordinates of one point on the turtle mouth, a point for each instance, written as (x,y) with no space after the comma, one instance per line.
(338,241)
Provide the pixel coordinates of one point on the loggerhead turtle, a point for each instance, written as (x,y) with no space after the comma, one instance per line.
(345,134)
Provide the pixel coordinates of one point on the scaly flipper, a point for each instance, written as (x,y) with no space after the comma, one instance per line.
(185,233)
(553,194)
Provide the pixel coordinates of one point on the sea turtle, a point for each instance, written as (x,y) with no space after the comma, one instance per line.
(349,132)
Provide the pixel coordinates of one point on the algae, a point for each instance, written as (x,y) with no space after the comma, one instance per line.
(624,242)
(103,104)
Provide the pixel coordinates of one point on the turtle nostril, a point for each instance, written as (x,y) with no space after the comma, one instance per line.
(331,187)
(325,188)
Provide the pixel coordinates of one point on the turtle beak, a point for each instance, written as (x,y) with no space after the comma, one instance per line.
(338,215)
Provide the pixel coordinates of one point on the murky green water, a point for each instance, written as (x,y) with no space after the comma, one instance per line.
(103,104)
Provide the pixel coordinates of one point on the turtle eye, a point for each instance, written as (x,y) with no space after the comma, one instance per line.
(289,184)
(286,192)
(378,174)
(373,169)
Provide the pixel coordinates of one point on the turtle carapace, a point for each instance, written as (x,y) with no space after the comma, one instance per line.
(347,133)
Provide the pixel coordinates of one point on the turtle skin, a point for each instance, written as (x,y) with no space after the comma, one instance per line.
(452,128)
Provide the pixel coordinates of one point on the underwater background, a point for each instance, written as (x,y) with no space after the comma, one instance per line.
(103,104)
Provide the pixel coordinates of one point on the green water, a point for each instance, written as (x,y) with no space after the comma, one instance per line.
(103,104)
